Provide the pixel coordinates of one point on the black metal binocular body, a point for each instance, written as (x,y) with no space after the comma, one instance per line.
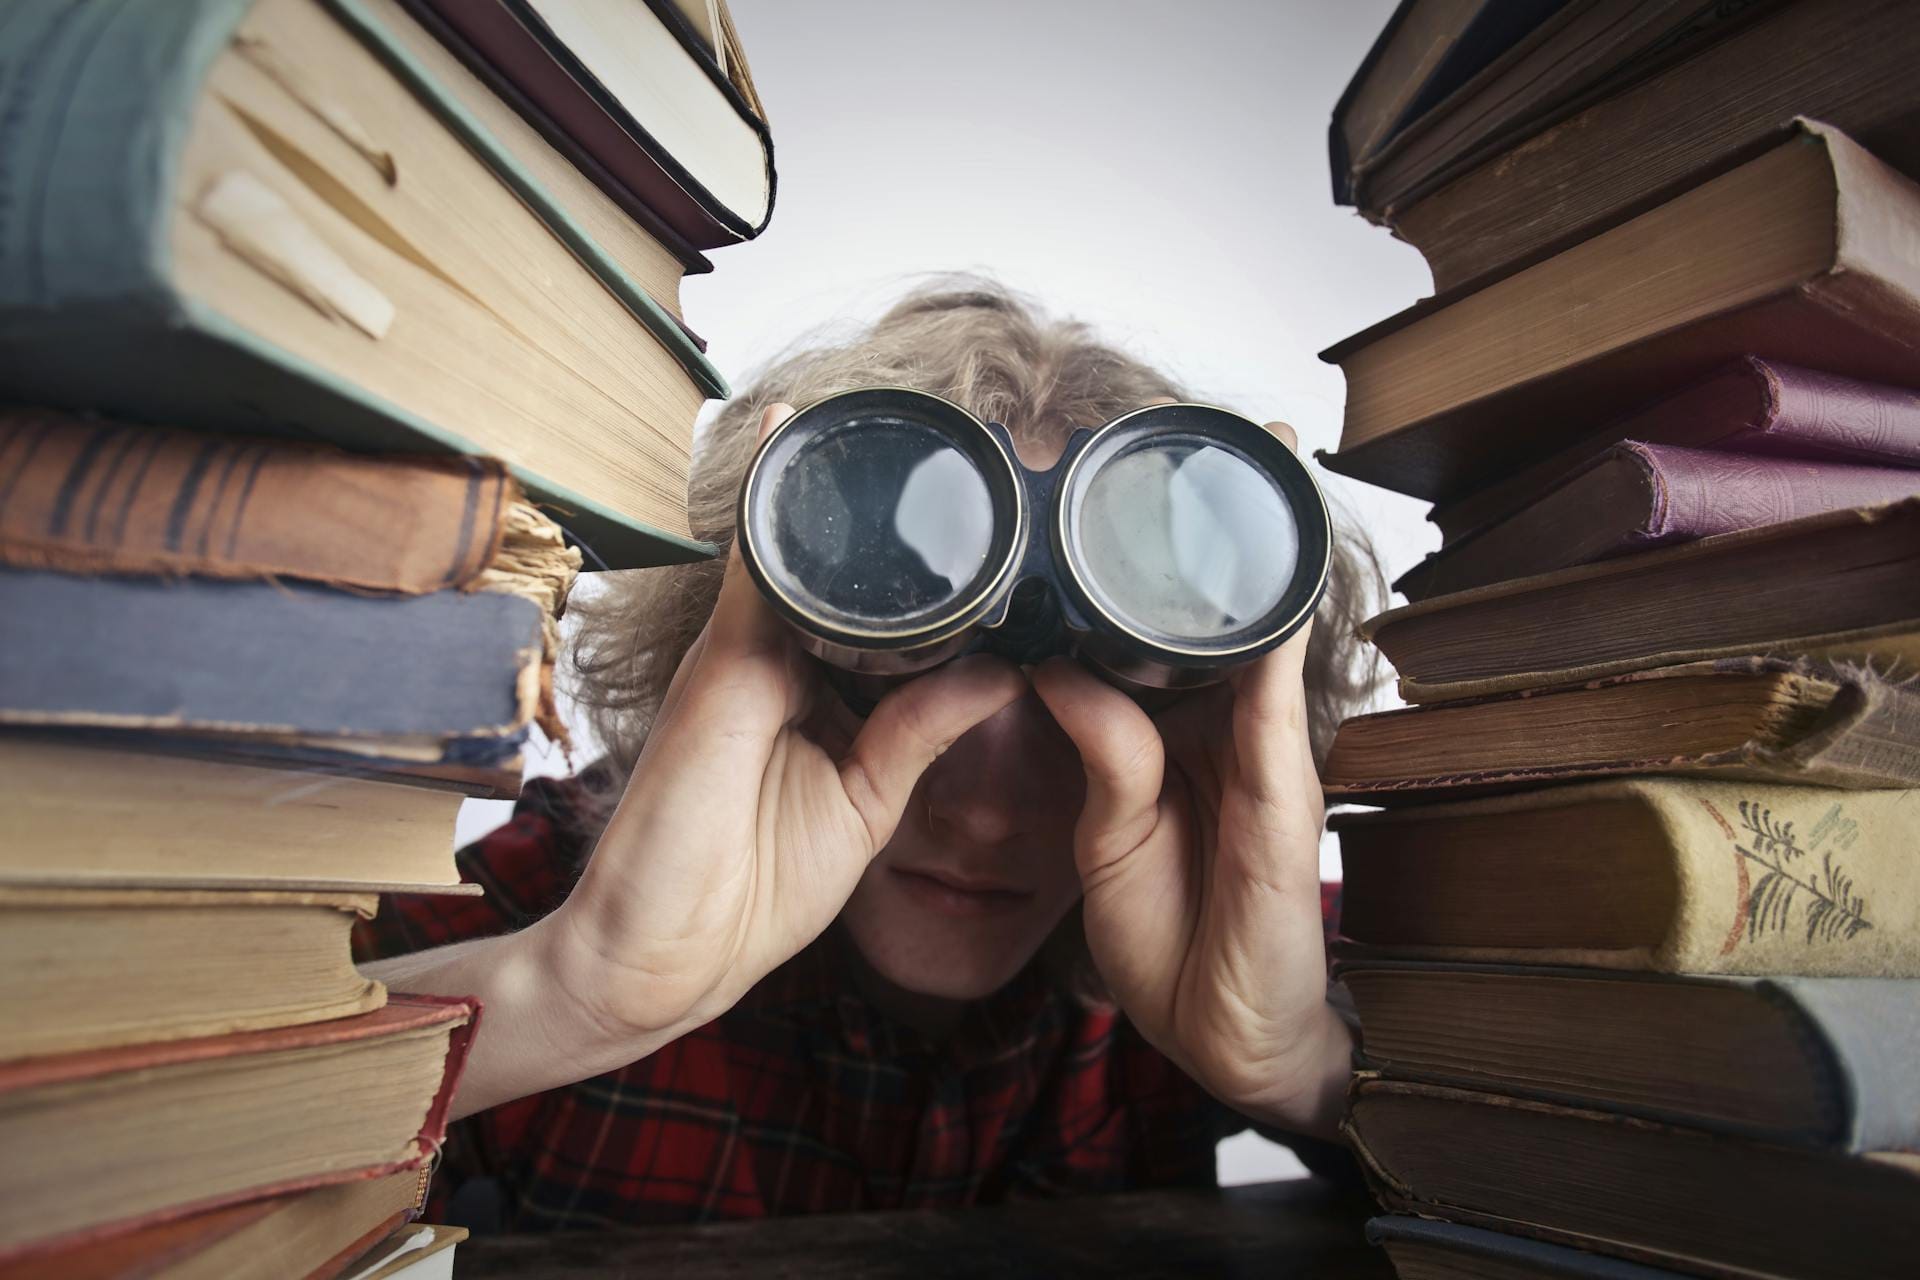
(894,530)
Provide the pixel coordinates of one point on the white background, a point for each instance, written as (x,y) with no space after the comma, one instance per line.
(1157,169)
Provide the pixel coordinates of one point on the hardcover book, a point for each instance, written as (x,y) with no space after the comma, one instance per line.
(1426,51)
(452,676)
(632,87)
(1803,252)
(1422,1249)
(223,240)
(655,255)
(1666,875)
(94,968)
(1844,585)
(94,496)
(1637,496)
(1751,406)
(1757,719)
(88,812)
(1651,1193)
(1848,62)
(1820,1062)
(238,1117)
(317,1235)
(1585,53)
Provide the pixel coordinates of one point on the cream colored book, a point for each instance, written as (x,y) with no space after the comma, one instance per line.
(1667,875)
(96,968)
(81,814)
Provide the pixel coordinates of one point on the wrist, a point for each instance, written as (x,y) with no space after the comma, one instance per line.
(1304,1090)
(599,1013)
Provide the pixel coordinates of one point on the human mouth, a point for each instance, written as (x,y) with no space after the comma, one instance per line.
(952,895)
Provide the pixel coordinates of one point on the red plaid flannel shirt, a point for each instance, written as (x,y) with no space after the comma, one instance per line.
(802,1097)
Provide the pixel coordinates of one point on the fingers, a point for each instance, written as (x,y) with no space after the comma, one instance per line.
(1270,737)
(911,726)
(1285,434)
(1121,752)
(742,625)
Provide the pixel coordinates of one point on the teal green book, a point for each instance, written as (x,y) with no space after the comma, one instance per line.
(270,218)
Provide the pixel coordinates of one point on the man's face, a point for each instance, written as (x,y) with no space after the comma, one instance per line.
(981,868)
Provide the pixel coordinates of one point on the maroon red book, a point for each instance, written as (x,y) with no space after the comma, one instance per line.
(108,1141)
(1636,496)
(1752,405)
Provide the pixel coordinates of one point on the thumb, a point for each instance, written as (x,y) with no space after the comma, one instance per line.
(1121,752)
(911,726)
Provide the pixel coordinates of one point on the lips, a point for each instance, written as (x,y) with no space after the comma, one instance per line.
(948,894)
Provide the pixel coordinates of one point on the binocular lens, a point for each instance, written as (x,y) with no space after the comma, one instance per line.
(1183,539)
(878,519)
(881,519)
(894,530)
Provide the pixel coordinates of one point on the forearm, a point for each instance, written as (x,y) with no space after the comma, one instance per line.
(534,1033)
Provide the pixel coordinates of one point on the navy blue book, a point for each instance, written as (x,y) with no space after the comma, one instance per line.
(449,678)
(1446,1251)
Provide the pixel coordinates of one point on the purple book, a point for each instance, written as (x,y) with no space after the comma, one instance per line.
(1637,495)
(1750,406)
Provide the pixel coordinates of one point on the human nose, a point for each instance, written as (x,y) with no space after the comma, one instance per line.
(1006,778)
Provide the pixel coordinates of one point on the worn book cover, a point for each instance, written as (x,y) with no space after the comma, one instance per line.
(1749,406)
(452,676)
(1423,1249)
(1820,1062)
(1843,585)
(1801,252)
(1651,1193)
(1761,719)
(1637,496)
(239,1117)
(223,241)
(1669,875)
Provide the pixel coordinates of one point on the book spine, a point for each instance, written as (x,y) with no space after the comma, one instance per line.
(1791,880)
(1822,415)
(274,659)
(1698,493)
(95,102)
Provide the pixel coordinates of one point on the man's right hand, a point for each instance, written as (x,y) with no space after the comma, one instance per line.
(752,813)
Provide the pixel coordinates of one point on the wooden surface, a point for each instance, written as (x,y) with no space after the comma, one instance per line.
(1277,1231)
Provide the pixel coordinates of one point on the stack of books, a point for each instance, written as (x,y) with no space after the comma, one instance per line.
(322,362)
(1633,930)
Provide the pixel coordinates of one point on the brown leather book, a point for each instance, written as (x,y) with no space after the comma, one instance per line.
(1804,252)
(1841,585)
(87,495)
(1752,718)
(114,1140)
(1650,1192)
(1848,62)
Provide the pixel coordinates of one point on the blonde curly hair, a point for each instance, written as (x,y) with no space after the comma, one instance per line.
(1003,358)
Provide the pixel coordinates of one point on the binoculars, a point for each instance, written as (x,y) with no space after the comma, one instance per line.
(893,530)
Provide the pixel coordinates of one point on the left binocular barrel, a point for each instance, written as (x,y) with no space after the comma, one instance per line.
(892,529)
